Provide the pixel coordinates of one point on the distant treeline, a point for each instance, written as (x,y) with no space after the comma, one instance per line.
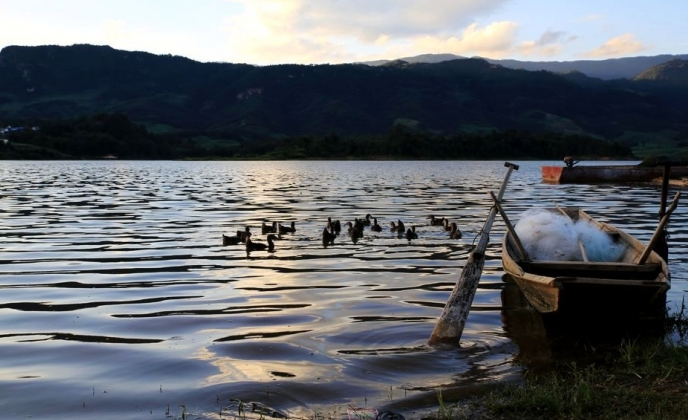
(402,143)
(115,135)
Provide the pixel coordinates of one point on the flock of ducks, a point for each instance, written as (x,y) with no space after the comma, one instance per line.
(333,229)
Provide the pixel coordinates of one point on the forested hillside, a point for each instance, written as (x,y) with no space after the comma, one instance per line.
(238,104)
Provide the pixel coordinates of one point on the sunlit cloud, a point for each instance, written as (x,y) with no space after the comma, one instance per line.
(494,40)
(382,40)
(269,31)
(618,46)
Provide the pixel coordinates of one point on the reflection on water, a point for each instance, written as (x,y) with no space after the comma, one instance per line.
(545,341)
(119,300)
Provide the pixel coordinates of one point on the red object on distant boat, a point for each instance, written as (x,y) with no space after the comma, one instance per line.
(607,173)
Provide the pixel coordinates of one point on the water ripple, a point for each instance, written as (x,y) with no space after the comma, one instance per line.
(116,270)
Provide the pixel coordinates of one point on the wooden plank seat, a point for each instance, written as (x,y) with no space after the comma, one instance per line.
(610,270)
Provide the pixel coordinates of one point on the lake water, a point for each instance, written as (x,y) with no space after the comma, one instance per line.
(118,300)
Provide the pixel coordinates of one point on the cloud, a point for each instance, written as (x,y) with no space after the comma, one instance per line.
(494,40)
(618,46)
(265,32)
(371,18)
(549,44)
(270,31)
(549,37)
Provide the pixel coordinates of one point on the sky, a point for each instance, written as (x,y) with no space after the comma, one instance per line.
(265,32)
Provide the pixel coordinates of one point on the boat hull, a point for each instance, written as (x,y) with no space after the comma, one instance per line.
(607,173)
(623,287)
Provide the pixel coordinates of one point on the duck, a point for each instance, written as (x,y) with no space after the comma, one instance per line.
(375,227)
(286,229)
(243,234)
(328,237)
(447,226)
(455,233)
(366,220)
(230,240)
(258,246)
(401,229)
(355,230)
(334,226)
(435,221)
(269,229)
(411,233)
(393,226)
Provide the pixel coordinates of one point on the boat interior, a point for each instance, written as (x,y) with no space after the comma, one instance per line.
(620,271)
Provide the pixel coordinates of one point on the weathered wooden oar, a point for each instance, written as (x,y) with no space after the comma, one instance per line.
(659,231)
(451,323)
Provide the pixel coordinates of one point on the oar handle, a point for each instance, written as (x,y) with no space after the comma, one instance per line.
(511,167)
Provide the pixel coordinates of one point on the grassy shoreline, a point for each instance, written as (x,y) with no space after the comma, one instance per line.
(638,379)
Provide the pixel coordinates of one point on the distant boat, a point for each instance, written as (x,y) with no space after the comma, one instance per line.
(608,173)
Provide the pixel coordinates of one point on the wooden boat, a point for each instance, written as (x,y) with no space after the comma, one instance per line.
(608,173)
(627,285)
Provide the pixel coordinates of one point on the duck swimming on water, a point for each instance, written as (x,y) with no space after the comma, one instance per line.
(375,227)
(328,237)
(398,227)
(455,233)
(411,233)
(435,221)
(286,229)
(230,240)
(243,234)
(240,237)
(258,246)
(269,229)
(334,226)
(355,230)
(401,229)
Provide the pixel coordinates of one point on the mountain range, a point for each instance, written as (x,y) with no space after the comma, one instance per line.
(638,101)
(614,68)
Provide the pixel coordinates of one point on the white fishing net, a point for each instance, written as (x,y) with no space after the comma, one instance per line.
(552,236)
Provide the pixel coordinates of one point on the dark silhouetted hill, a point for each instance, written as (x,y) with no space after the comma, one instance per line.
(609,69)
(239,101)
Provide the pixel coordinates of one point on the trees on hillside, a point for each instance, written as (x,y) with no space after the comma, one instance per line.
(401,143)
(114,134)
